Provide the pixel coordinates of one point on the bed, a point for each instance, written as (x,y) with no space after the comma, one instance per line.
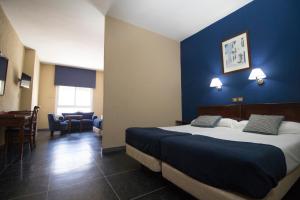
(166,162)
(144,145)
(137,138)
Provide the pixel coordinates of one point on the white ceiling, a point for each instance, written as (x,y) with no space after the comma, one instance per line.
(71,32)
(176,19)
(68,32)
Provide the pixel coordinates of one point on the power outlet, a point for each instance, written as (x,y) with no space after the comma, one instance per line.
(234,99)
(237,99)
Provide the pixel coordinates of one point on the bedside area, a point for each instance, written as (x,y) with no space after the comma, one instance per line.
(180,122)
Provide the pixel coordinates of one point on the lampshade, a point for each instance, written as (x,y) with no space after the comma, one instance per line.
(215,82)
(257,73)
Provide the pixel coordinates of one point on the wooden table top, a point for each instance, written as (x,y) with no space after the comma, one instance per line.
(13,118)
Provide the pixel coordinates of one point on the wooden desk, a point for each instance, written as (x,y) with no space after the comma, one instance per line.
(16,119)
(70,117)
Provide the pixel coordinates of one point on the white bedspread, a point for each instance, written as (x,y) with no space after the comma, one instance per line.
(288,143)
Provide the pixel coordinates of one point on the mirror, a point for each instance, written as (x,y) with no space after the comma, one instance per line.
(3,71)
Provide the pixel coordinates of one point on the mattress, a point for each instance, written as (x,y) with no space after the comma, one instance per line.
(288,143)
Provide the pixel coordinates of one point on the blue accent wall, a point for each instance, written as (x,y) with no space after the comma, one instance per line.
(274,39)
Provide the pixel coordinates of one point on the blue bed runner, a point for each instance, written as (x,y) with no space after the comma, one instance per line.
(148,140)
(247,168)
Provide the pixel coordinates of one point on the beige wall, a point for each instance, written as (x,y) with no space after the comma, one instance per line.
(13,49)
(47,94)
(35,82)
(98,94)
(142,84)
(29,96)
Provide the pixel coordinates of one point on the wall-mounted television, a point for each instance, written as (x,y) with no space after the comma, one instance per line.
(25,81)
(3,72)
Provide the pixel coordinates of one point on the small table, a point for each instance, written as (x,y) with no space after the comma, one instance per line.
(70,117)
(17,121)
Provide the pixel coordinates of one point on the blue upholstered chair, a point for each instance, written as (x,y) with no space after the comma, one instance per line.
(98,123)
(56,123)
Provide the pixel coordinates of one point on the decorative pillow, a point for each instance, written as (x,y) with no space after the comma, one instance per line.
(288,127)
(206,121)
(227,122)
(88,115)
(264,124)
(240,124)
(56,117)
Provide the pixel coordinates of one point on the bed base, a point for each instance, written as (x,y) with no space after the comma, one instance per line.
(148,161)
(205,192)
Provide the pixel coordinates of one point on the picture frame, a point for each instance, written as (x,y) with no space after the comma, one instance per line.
(3,74)
(235,53)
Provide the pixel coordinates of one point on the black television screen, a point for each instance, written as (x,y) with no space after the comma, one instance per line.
(25,81)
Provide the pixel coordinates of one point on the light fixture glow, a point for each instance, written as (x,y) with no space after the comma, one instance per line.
(215,82)
(258,75)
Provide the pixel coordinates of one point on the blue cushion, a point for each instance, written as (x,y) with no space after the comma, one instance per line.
(88,115)
(63,125)
(98,123)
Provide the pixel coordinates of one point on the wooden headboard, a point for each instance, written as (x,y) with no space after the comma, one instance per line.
(233,111)
(291,111)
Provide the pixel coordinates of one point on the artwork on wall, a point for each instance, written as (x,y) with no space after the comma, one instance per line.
(3,72)
(235,53)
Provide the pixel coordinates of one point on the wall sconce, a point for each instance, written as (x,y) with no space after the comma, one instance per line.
(258,75)
(215,82)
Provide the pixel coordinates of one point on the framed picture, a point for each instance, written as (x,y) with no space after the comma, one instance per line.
(3,72)
(235,53)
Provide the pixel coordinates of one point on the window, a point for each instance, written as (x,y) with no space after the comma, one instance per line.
(73,99)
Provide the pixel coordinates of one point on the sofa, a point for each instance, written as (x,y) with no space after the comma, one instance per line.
(86,121)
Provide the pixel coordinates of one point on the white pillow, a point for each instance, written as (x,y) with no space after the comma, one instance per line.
(288,127)
(227,122)
(240,124)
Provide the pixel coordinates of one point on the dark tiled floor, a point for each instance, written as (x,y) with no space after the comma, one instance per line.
(72,167)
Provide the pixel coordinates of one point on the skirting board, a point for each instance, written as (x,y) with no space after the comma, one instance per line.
(43,129)
(113,149)
(205,192)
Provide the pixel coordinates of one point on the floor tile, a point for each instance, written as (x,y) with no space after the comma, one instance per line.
(74,176)
(18,187)
(39,196)
(135,183)
(168,193)
(93,190)
(116,162)
(24,170)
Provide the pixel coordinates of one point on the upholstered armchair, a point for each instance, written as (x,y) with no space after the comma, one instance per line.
(57,123)
(97,123)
